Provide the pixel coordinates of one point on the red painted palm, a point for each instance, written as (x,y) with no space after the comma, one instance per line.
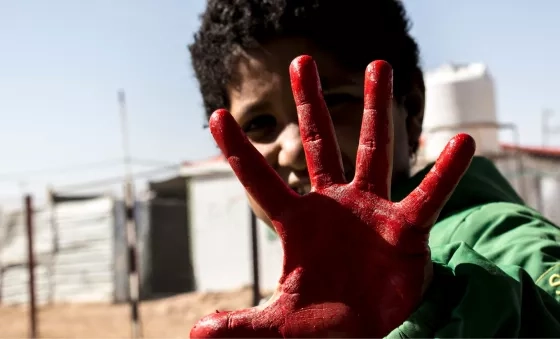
(354,262)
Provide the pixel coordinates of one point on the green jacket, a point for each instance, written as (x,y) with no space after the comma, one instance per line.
(496,264)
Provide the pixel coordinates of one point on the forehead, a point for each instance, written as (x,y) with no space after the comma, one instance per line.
(264,72)
(254,80)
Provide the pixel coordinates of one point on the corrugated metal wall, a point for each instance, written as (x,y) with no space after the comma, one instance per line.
(537,182)
(550,192)
(80,253)
(13,257)
(83,266)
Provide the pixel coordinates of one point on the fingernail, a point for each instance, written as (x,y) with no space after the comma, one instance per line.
(379,82)
(304,78)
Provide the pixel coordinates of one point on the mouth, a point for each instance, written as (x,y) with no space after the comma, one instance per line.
(305,187)
(302,189)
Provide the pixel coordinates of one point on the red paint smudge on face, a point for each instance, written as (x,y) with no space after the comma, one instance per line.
(355,263)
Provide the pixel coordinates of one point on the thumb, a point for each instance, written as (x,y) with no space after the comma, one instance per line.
(246,323)
(212,326)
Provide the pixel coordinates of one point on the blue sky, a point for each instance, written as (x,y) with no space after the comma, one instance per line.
(62,61)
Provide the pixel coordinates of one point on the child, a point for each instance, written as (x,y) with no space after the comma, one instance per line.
(241,56)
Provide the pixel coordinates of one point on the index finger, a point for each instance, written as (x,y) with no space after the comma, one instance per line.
(250,167)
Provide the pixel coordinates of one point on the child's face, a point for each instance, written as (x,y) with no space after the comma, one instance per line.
(262,103)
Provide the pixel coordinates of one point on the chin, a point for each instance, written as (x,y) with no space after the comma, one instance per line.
(349,169)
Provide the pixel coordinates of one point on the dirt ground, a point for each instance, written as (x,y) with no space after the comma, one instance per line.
(165,318)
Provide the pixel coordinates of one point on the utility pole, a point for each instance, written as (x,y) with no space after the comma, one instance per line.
(255,255)
(29,211)
(124,134)
(131,236)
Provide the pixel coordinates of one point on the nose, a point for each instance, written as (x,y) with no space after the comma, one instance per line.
(291,149)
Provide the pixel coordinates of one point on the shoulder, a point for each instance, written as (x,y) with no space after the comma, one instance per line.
(486,222)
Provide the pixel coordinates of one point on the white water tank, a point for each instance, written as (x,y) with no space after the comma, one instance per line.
(459,99)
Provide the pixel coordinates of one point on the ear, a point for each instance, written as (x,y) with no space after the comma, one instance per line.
(414,104)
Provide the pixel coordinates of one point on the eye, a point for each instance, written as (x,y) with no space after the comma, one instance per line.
(260,127)
(337,99)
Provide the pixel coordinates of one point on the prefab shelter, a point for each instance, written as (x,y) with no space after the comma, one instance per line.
(220,227)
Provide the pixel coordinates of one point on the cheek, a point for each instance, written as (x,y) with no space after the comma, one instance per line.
(267,150)
(348,137)
(401,156)
(347,126)
(258,211)
(400,135)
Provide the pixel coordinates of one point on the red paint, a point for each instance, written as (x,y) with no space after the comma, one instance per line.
(354,262)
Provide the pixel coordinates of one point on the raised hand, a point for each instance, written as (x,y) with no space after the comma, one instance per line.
(354,262)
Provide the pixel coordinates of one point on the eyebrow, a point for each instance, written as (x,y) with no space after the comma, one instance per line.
(257,106)
(247,109)
(329,86)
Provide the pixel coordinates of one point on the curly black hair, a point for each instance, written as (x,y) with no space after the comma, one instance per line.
(355,32)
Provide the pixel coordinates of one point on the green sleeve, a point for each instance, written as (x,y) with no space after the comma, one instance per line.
(471,297)
(511,234)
